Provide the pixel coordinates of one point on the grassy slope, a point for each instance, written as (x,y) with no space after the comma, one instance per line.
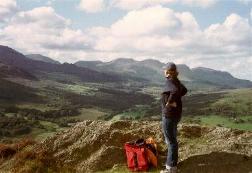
(233,110)
(216,120)
(90,114)
(230,109)
(235,103)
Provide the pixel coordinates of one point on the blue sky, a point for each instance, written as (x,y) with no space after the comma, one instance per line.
(210,33)
(204,16)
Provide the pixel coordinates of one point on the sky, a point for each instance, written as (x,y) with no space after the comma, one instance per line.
(210,33)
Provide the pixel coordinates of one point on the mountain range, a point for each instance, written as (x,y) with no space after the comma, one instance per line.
(152,70)
(15,59)
(15,64)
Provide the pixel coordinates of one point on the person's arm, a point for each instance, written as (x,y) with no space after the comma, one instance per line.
(171,99)
(163,99)
(171,90)
(183,90)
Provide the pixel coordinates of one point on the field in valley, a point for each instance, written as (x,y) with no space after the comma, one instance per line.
(59,105)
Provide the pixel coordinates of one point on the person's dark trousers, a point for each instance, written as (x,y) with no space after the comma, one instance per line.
(169,126)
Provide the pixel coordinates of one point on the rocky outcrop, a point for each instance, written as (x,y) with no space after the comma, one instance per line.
(93,146)
(96,146)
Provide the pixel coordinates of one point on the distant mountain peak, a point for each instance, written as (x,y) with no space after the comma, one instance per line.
(150,60)
(39,57)
(209,70)
(203,68)
(128,60)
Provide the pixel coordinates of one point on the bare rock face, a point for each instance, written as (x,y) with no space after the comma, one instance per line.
(93,146)
(98,145)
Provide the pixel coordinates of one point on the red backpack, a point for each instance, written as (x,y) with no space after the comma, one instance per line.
(136,155)
(141,154)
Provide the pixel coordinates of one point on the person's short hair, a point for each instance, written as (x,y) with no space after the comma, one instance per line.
(170,66)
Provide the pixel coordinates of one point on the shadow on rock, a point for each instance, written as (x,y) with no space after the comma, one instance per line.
(217,162)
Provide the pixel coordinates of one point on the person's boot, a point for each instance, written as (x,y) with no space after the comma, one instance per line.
(169,169)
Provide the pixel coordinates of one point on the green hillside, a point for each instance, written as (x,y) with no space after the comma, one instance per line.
(230,109)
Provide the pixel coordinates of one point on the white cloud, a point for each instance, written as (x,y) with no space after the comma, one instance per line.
(234,34)
(42,29)
(147,21)
(133,4)
(92,6)
(199,3)
(250,60)
(7,8)
(138,4)
(155,29)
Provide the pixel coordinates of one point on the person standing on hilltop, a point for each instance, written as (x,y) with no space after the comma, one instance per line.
(171,114)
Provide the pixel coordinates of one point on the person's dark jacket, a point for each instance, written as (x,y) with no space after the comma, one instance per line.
(172,92)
